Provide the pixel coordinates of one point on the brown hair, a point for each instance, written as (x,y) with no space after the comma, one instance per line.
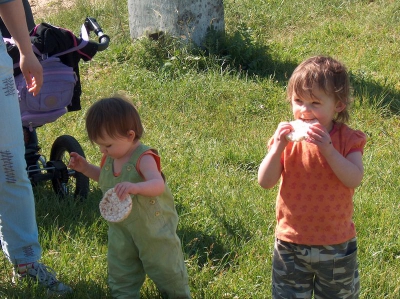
(328,75)
(114,116)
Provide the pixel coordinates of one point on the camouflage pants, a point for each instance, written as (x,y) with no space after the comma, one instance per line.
(327,271)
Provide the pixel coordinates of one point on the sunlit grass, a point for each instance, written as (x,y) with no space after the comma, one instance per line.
(210,113)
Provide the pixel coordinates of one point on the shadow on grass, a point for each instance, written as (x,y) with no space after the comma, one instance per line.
(71,214)
(31,289)
(77,218)
(377,95)
(215,251)
(68,209)
(207,249)
(241,52)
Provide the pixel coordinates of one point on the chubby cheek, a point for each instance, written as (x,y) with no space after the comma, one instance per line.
(103,149)
(296,110)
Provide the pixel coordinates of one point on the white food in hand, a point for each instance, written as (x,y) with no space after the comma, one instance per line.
(113,209)
(300,130)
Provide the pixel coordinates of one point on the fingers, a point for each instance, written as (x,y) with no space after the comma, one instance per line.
(71,163)
(282,130)
(73,160)
(120,190)
(319,136)
(74,155)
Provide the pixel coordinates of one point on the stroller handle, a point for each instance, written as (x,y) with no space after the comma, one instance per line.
(92,25)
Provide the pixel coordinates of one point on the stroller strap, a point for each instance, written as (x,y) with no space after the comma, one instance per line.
(84,42)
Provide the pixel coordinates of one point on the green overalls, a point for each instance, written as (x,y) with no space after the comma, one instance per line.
(146,242)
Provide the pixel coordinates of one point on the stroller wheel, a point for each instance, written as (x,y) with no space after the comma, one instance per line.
(69,182)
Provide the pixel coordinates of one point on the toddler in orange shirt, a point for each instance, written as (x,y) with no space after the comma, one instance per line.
(315,250)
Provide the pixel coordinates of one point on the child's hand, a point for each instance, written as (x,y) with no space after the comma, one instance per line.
(77,162)
(321,138)
(124,189)
(284,128)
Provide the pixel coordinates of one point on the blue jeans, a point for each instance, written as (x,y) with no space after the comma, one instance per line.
(18,228)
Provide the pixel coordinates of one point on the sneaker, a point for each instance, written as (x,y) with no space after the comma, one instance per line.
(44,275)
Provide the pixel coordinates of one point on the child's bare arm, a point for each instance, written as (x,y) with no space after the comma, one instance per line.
(350,169)
(153,185)
(271,168)
(78,163)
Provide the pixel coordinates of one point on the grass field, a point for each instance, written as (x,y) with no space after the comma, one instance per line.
(210,113)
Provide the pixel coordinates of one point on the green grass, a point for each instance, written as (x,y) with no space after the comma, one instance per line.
(210,113)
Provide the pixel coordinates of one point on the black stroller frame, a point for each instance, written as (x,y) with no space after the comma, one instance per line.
(65,181)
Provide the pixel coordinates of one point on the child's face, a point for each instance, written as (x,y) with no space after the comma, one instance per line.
(321,106)
(116,148)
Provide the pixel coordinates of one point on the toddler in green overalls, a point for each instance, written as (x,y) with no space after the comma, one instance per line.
(146,242)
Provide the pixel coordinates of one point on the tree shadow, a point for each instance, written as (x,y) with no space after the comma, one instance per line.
(205,249)
(30,289)
(241,52)
(71,212)
(70,215)
(368,91)
(215,250)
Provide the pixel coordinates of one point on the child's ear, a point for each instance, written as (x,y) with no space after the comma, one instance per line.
(340,106)
(131,135)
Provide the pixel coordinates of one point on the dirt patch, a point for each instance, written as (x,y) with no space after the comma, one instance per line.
(42,8)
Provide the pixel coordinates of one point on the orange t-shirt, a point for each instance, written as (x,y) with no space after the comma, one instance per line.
(313,207)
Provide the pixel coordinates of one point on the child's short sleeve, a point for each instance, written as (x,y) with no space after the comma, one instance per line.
(103,160)
(356,141)
(156,157)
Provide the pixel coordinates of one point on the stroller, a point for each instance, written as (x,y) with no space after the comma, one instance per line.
(59,52)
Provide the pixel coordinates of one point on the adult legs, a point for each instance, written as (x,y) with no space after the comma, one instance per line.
(18,228)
